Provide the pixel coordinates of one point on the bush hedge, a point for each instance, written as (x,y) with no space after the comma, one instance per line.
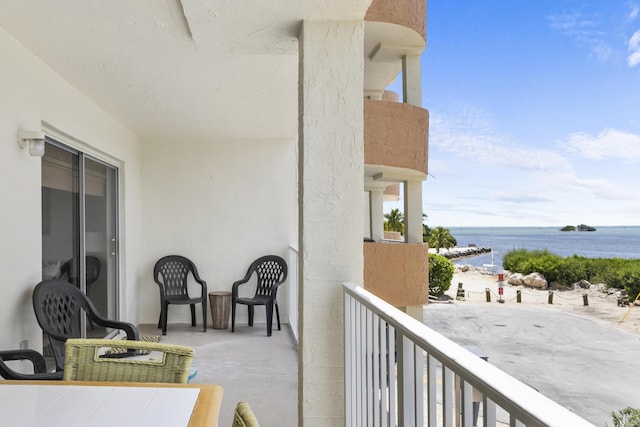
(440,274)
(615,272)
(628,417)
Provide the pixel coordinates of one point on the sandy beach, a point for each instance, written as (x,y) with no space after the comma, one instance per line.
(602,305)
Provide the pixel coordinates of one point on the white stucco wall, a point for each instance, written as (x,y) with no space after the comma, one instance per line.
(33,95)
(331,183)
(220,203)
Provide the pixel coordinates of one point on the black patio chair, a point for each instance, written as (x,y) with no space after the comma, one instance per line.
(171,274)
(92,272)
(59,306)
(36,359)
(271,272)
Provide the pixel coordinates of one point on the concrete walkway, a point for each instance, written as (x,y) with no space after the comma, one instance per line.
(585,364)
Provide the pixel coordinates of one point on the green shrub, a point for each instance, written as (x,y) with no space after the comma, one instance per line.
(572,269)
(527,262)
(629,276)
(440,274)
(515,259)
(615,272)
(628,417)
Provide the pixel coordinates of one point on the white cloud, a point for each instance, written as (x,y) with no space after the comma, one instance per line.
(567,189)
(634,47)
(601,50)
(600,189)
(610,143)
(574,25)
(633,13)
(585,31)
(605,190)
(471,136)
(486,177)
(522,197)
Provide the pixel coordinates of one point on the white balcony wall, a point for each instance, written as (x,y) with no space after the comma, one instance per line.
(32,97)
(222,204)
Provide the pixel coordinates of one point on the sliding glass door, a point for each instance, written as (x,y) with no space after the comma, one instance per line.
(79,226)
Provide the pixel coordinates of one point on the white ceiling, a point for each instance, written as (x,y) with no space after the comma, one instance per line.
(178,68)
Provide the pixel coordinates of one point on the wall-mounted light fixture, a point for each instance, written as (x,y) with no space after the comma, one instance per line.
(34,139)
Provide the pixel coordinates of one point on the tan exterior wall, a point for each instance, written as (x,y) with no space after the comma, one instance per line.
(397,272)
(396,134)
(408,13)
(393,235)
(392,193)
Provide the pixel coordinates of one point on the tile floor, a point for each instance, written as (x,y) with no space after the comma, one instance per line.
(250,366)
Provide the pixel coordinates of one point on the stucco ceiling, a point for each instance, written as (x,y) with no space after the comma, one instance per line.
(178,68)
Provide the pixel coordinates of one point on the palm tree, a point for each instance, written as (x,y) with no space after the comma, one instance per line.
(394,221)
(441,237)
(425,228)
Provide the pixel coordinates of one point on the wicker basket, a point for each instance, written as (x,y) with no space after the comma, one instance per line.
(88,360)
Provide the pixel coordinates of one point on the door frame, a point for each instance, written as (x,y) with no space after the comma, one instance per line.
(86,151)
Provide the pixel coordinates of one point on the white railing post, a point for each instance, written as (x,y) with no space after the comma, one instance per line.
(377,391)
(360,367)
(418,386)
(488,412)
(448,405)
(392,376)
(370,372)
(467,404)
(432,382)
(349,390)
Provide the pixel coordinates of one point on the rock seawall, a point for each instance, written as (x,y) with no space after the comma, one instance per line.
(461,251)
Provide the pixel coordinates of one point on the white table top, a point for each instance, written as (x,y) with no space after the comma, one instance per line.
(81,405)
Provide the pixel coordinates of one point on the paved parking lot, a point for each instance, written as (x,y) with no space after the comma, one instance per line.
(590,366)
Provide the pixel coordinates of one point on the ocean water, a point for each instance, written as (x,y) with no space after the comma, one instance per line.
(605,242)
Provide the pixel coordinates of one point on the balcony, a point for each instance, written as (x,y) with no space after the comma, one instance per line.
(418,366)
(407,13)
(396,135)
(394,29)
(397,272)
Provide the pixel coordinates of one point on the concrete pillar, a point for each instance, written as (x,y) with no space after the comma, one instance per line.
(331,182)
(412,80)
(413,211)
(412,94)
(377,214)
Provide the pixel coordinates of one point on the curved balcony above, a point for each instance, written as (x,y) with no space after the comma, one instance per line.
(395,140)
(397,272)
(394,29)
(407,13)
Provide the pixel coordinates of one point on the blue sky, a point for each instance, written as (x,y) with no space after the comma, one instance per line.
(534,113)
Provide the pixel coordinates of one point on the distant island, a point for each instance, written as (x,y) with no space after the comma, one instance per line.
(581,227)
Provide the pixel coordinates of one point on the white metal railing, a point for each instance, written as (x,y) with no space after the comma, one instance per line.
(400,372)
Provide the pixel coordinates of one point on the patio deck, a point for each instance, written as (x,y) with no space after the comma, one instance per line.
(250,366)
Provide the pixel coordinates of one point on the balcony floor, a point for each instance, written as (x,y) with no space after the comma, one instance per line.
(250,366)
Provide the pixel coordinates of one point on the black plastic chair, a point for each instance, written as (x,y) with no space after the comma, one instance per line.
(271,272)
(59,307)
(171,274)
(36,359)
